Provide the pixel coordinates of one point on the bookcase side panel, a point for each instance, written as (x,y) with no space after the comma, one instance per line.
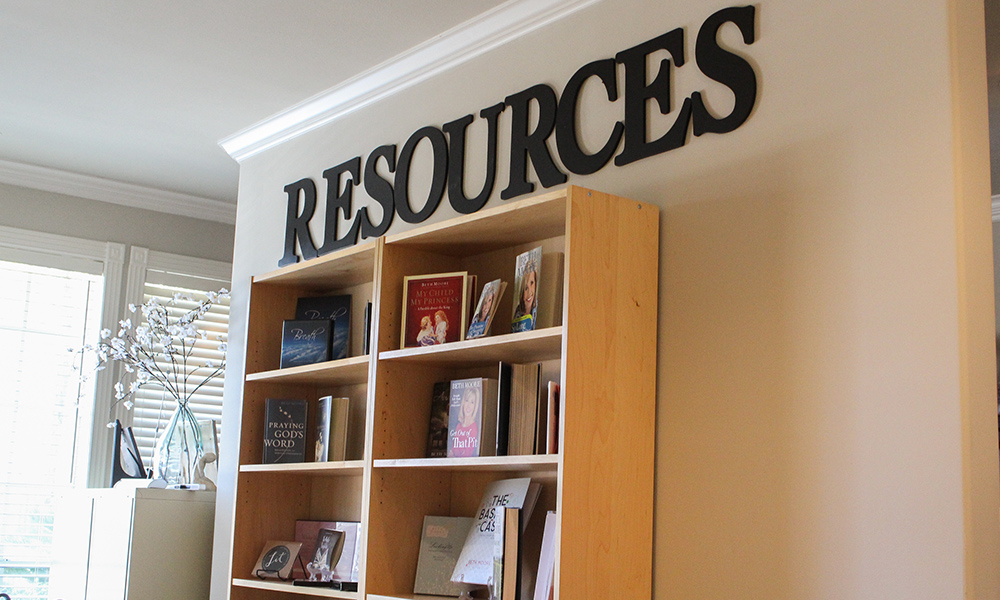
(609,399)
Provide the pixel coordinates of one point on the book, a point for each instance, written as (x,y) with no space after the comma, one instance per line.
(496,582)
(546,559)
(329,308)
(367,341)
(489,300)
(435,309)
(552,421)
(345,568)
(276,560)
(284,431)
(503,409)
(550,291)
(510,534)
(437,430)
(440,542)
(526,272)
(523,408)
(506,555)
(472,417)
(305,342)
(331,429)
(475,561)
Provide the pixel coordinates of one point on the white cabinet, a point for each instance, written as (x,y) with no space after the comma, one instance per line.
(133,544)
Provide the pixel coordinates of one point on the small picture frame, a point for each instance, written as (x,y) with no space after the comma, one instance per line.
(276,560)
(127,462)
(329,546)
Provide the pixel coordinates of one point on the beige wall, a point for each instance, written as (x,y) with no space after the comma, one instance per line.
(825,424)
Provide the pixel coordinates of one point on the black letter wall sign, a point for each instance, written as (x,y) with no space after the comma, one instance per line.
(638,93)
(339,202)
(296,224)
(456,163)
(439,176)
(726,68)
(380,191)
(575,159)
(525,143)
(535,115)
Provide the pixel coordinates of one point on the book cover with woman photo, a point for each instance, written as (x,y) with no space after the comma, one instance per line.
(472,417)
(526,272)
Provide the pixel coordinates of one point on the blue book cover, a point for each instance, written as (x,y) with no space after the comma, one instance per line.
(305,342)
(333,308)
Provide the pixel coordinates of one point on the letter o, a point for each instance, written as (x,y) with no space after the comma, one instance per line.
(401,193)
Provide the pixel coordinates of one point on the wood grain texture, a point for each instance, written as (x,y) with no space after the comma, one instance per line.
(608,427)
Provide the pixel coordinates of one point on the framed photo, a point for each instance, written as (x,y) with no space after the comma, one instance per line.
(329,546)
(276,560)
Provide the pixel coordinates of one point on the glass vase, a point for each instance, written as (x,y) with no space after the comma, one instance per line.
(179,448)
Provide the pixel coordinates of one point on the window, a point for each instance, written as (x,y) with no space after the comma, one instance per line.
(161,275)
(52,299)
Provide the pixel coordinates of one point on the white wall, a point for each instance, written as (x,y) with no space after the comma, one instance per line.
(825,393)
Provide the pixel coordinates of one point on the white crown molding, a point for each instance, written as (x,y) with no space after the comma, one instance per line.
(116,192)
(473,38)
(995,204)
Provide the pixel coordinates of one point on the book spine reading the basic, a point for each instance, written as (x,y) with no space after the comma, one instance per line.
(285,430)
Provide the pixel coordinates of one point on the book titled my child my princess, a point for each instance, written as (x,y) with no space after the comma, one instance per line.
(435,309)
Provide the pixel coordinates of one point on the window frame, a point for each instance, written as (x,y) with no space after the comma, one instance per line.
(15,244)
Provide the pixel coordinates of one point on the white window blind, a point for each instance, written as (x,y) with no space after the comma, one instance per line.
(47,410)
(153,406)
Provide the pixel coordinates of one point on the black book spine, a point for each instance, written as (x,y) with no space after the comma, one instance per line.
(503,409)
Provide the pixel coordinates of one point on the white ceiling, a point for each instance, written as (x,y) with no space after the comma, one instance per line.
(142,92)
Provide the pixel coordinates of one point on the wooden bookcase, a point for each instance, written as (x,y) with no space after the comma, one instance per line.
(603,353)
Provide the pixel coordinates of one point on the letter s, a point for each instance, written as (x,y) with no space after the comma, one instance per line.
(727,68)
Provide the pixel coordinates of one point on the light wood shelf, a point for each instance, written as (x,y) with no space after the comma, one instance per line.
(335,372)
(527,346)
(535,462)
(340,468)
(288,588)
(601,348)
